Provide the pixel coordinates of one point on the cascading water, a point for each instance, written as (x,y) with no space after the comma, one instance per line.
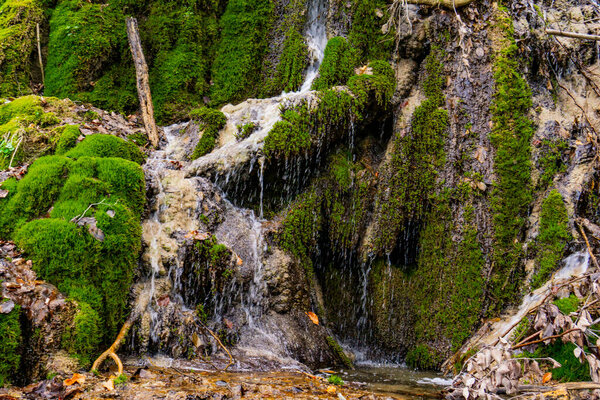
(182,198)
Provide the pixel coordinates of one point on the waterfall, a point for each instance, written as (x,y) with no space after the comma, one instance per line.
(316,38)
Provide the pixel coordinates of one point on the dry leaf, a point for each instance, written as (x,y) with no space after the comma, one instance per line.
(313,317)
(76,378)
(109,385)
(547,376)
(331,389)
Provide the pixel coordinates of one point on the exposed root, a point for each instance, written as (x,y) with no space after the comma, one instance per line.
(231,359)
(112,350)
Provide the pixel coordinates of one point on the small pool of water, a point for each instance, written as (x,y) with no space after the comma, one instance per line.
(397,379)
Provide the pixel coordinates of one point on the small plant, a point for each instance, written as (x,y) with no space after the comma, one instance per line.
(121,379)
(245,130)
(335,380)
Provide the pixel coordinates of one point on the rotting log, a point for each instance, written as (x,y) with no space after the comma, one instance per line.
(142,80)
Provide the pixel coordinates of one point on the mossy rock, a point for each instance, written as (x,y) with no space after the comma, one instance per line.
(211,122)
(99,145)
(337,66)
(10,343)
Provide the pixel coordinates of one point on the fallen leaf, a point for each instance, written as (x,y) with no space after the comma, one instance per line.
(109,385)
(547,377)
(331,389)
(313,317)
(76,378)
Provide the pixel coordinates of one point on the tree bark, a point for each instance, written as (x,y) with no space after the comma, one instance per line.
(142,80)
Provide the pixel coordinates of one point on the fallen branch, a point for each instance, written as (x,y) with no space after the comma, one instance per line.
(593,228)
(39,49)
(544,339)
(585,36)
(112,350)
(231,360)
(142,80)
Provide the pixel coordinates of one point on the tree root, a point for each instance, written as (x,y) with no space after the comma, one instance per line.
(112,350)
(443,3)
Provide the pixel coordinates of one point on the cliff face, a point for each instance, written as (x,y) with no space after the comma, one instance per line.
(432,177)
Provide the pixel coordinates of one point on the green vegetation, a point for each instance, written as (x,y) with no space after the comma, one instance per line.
(335,380)
(337,66)
(290,136)
(10,343)
(380,85)
(18,19)
(339,352)
(571,370)
(244,131)
(121,379)
(421,357)
(552,238)
(511,135)
(417,157)
(292,63)
(92,270)
(567,305)
(211,121)
(551,161)
(236,70)
(365,31)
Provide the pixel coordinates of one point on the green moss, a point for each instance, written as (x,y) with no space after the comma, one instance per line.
(339,352)
(571,370)
(236,69)
(211,121)
(335,380)
(27,108)
(567,305)
(511,135)
(18,19)
(10,342)
(67,139)
(293,62)
(287,139)
(379,85)
(337,66)
(245,130)
(96,273)
(552,238)
(551,161)
(417,157)
(121,379)
(139,138)
(421,357)
(365,30)
(100,145)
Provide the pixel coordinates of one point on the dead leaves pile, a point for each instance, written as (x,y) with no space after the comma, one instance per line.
(503,369)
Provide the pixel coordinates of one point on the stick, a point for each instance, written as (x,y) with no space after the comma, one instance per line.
(588,245)
(557,32)
(443,3)
(39,48)
(220,344)
(142,80)
(112,350)
(544,339)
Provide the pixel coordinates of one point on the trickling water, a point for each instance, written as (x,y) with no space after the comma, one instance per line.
(316,38)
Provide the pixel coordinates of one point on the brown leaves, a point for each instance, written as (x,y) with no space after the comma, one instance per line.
(546,378)
(196,235)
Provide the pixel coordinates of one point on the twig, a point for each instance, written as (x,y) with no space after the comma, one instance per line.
(587,243)
(15,152)
(557,32)
(39,48)
(544,339)
(529,337)
(231,360)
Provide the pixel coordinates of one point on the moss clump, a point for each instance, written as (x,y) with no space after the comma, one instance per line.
(100,145)
(551,161)
(337,66)
(339,352)
(365,31)
(211,121)
(10,343)
(293,62)
(94,271)
(421,357)
(511,135)
(571,370)
(236,69)
(379,85)
(245,130)
(552,238)
(67,139)
(416,160)
(567,305)
(18,19)
(290,136)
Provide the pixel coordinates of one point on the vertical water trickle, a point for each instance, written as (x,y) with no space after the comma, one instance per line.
(316,38)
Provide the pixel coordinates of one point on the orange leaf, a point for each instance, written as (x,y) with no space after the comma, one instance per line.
(547,377)
(76,378)
(313,317)
(331,389)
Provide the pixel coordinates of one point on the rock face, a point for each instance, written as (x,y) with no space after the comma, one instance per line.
(45,316)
